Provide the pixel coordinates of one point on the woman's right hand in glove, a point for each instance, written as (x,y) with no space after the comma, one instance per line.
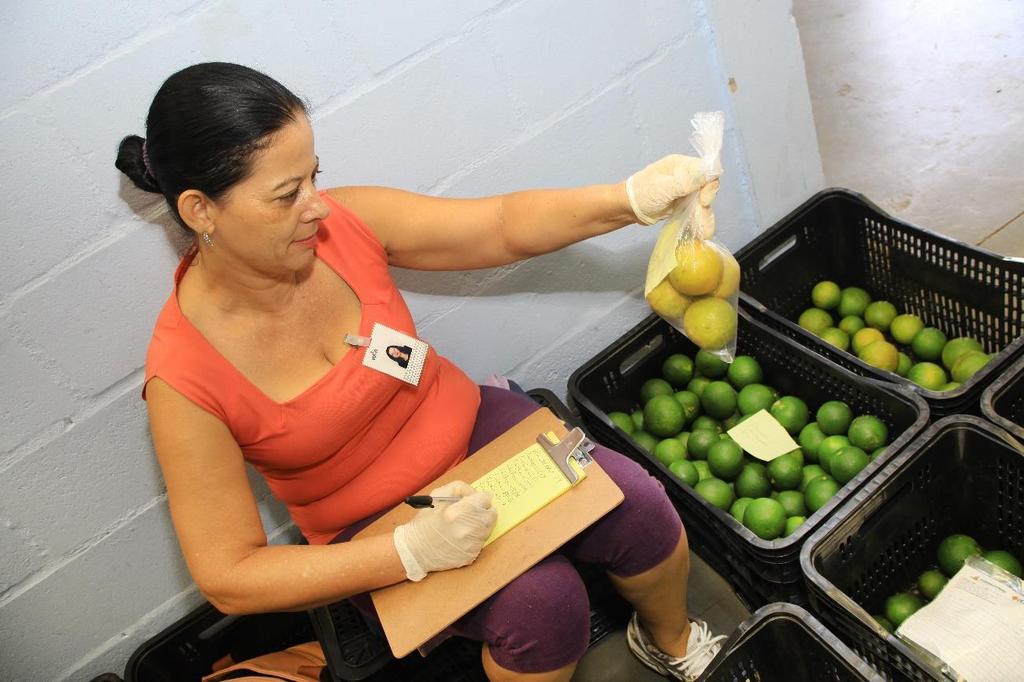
(448,535)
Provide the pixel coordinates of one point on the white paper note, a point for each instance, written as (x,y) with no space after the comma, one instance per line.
(975,625)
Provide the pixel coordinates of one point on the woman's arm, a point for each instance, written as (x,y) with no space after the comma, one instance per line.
(219,529)
(433,233)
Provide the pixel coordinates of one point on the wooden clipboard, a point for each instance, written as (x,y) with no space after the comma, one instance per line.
(412,613)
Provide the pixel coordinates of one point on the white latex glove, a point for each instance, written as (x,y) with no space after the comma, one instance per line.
(449,535)
(654,190)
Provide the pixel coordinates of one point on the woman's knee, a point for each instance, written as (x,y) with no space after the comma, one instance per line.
(638,534)
(538,622)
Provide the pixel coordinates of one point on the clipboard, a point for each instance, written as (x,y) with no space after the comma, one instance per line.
(413,613)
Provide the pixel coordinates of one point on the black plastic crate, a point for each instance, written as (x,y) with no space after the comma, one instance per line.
(760,571)
(839,235)
(963,475)
(782,642)
(189,648)
(1003,401)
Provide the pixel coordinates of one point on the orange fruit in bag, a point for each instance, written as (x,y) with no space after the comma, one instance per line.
(698,268)
(710,323)
(667,302)
(730,282)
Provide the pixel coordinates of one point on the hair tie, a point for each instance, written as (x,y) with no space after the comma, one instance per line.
(145,159)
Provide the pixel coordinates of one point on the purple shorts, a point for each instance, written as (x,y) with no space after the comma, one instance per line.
(541,620)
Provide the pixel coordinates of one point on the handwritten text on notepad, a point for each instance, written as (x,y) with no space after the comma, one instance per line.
(521,485)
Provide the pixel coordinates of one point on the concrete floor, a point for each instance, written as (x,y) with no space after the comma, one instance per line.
(919,105)
(709,598)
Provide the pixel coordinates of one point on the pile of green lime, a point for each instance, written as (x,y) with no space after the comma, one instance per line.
(874,331)
(950,556)
(683,419)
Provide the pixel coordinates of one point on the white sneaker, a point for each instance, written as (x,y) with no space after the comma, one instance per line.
(700,650)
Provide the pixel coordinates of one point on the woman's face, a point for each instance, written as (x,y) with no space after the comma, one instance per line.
(269,221)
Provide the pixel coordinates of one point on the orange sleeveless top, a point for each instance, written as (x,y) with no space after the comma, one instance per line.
(357,441)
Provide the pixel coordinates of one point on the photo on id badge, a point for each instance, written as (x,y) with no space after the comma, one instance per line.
(396,354)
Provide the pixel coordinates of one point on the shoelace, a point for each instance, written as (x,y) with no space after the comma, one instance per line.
(704,649)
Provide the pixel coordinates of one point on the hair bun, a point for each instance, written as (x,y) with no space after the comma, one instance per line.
(131,162)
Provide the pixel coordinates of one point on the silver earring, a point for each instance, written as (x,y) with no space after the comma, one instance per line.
(206,238)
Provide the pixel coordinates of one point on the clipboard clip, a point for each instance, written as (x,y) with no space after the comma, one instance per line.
(575,446)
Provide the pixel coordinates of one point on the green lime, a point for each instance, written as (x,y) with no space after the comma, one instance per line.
(954,550)
(793,502)
(638,419)
(825,295)
(731,421)
(905,327)
(851,324)
(903,364)
(785,472)
(877,453)
(901,606)
(815,320)
(954,348)
(623,421)
(928,344)
(880,314)
(791,412)
(928,375)
(725,459)
(809,473)
(710,365)
(646,441)
(653,387)
(868,433)
(881,354)
(706,423)
(669,450)
(884,622)
(864,338)
(697,385)
(754,397)
(690,403)
(700,442)
(685,471)
(837,337)
(737,508)
(765,517)
(931,583)
(967,364)
(753,481)
(683,438)
(715,491)
(810,440)
(819,492)
(792,523)
(853,301)
(834,417)
(951,386)
(677,369)
(703,472)
(718,399)
(744,371)
(847,463)
(828,449)
(1004,560)
(663,416)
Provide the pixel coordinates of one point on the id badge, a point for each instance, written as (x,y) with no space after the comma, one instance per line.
(393,353)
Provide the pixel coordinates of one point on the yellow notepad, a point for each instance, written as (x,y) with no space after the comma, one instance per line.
(523,484)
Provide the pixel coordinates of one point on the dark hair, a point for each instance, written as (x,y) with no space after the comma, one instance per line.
(203,129)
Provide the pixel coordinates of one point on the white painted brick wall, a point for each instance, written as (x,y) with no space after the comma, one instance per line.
(461,97)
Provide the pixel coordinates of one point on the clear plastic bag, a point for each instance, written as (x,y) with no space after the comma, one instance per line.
(692,281)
